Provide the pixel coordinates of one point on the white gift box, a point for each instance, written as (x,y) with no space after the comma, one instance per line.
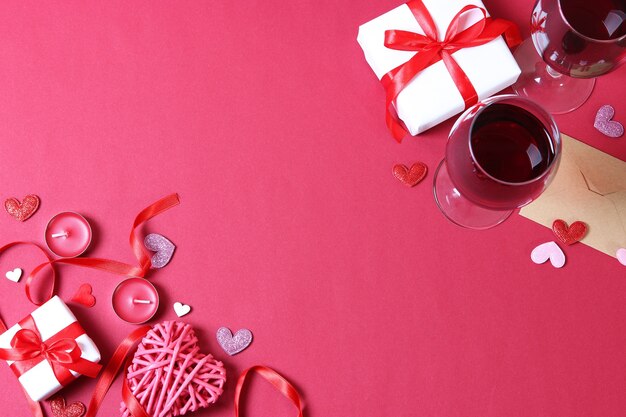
(39,382)
(432,97)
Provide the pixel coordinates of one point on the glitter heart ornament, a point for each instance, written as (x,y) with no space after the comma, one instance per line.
(410,177)
(569,234)
(605,125)
(162,246)
(22,210)
(548,250)
(233,344)
(169,376)
(59,409)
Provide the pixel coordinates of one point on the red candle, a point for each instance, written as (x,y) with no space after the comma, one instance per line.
(135,300)
(68,234)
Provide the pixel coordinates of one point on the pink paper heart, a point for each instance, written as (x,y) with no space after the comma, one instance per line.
(169,376)
(621,256)
(548,250)
(233,344)
(605,125)
(162,246)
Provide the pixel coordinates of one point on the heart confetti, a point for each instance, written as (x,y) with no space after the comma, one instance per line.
(162,246)
(169,376)
(569,235)
(22,211)
(59,409)
(84,296)
(14,275)
(233,344)
(181,309)
(548,250)
(605,125)
(410,177)
(621,256)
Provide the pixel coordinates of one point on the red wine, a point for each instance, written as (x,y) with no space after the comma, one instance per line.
(510,144)
(580,38)
(597,19)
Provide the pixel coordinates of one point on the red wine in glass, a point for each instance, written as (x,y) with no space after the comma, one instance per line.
(580,38)
(573,41)
(501,154)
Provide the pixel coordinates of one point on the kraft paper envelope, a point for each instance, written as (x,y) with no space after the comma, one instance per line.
(589,186)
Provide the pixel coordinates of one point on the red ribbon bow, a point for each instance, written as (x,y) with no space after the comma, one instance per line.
(62,354)
(430,50)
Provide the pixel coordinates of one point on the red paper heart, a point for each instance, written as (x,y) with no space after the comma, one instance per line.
(59,409)
(169,376)
(84,296)
(410,177)
(25,209)
(568,235)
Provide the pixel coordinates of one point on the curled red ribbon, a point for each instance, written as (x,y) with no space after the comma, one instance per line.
(430,50)
(277,380)
(108,265)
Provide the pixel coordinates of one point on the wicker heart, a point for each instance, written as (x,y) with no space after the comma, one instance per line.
(59,409)
(169,376)
(22,211)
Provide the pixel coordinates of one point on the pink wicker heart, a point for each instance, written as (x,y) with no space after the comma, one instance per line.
(169,376)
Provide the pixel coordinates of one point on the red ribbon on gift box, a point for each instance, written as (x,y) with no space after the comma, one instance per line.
(431,50)
(60,350)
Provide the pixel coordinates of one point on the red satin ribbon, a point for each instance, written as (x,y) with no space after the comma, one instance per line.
(277,380)
(430,50)
(121,357)
(114,267)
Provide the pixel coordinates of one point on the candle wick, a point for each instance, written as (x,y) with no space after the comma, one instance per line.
(63,234)
(136,301)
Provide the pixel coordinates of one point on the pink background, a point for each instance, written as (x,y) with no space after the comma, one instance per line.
(265,118)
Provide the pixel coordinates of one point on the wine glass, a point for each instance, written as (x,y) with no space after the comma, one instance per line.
(501,154)
(576,41)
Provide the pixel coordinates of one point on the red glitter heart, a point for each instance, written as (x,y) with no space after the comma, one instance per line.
(25,209)
(59,409)
(569,235)
(84,296)
(410,177)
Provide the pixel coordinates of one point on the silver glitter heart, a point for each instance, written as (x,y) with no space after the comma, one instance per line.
(233,344)
(162,246)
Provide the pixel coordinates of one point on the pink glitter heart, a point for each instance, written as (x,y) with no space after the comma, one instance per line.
(162,246)
(605,125)
(233,344)
(621,256)
(169,376)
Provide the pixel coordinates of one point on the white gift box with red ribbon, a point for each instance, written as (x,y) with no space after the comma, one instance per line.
(53,321)
(432,96)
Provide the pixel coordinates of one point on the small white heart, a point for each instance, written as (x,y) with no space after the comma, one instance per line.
(621,256)
(548,250)
(14,275)
(181,309)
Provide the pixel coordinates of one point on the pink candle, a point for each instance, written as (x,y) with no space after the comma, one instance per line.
(68,234)
(135,300)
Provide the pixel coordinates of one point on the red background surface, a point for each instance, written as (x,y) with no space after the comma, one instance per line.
(265,118)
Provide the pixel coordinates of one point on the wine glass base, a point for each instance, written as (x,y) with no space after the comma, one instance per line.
(460,210)
(556,92)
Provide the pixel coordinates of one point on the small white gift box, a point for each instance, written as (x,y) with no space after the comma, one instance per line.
(51,326)
(432,96)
